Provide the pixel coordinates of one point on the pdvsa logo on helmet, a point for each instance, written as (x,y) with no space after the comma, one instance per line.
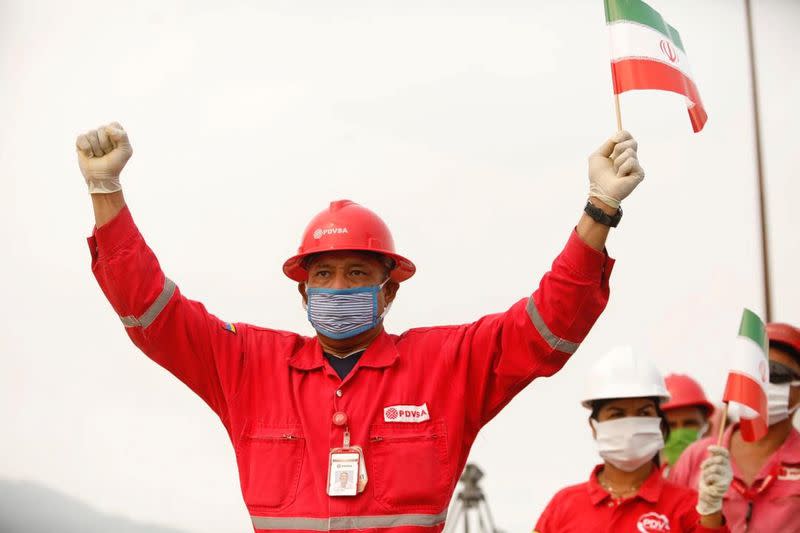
(406,413)
(653,523)
(321,232)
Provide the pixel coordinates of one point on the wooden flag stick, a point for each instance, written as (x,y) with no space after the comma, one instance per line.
(722,424)
(619,115)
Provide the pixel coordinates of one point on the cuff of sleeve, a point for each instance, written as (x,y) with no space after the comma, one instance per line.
(109,237)
(585,260)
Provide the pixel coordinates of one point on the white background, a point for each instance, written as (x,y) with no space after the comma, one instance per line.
(466,125)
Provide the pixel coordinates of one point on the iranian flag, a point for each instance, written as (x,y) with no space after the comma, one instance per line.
(647,53)
(748,377)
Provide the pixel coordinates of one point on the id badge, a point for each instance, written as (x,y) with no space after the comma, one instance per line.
(343,471)
(362,471)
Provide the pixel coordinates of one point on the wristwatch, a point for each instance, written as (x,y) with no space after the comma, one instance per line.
(598,215)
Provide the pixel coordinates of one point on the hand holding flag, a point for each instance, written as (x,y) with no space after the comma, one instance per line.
(614,169)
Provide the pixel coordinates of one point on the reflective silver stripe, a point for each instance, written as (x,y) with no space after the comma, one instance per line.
(154,310)
(556,343)
(338,523)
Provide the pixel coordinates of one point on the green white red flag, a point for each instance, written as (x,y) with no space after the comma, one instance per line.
(647,53)
(748,377)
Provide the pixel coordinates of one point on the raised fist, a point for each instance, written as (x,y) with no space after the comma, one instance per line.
(614,169)
(102,154)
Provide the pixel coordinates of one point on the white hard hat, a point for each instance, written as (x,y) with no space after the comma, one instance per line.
(622,374)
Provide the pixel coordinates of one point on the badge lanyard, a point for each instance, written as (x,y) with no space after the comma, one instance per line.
(750,493)
(347,470)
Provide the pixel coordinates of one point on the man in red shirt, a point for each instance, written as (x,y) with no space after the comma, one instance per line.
(765,493)
(399,413)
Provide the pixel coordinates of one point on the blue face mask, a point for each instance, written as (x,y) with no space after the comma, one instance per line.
(344,313)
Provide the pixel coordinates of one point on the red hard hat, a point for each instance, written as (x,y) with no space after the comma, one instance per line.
(346,225)
(686,392)
(784,334)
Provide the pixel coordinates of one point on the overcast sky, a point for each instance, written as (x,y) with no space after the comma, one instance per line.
(466,125)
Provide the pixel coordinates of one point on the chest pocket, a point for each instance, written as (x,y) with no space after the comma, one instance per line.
(270,459)
(786,491)
(408,466)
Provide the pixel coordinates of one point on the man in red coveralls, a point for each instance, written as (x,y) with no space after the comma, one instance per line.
(400,412)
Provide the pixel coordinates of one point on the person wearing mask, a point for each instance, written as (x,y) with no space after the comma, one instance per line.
(765,492)
(398,412)
(627,491)
(688,413)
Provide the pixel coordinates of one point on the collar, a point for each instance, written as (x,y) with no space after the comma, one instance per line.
(789,452)
(381,353)
(650,490)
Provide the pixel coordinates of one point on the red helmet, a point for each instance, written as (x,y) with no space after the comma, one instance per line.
(686,392)
(346,225)
(784,334)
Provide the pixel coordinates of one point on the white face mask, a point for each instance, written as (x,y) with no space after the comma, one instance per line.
(778,402)
(629,442)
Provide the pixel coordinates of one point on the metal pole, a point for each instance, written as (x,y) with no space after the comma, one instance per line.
(759,166)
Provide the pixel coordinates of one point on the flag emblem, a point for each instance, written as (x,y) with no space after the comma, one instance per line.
(228,326)
(669,51)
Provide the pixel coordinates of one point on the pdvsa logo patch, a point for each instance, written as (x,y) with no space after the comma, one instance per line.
(321,232)
(789,473)
(406,413)
(652,523)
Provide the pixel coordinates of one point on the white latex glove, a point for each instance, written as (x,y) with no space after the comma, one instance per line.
(102,154)
(716,475)
(614,169)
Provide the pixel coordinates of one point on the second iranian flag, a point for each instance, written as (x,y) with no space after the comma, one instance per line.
(647,53)
(749,376)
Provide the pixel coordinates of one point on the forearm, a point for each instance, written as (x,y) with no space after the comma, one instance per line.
(175,332)
(107,206)
(594,233)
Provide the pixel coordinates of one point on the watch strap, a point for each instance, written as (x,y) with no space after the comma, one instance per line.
(598,215)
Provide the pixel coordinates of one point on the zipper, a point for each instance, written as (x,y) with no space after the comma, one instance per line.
(285,436)
(748,515)
(403,439)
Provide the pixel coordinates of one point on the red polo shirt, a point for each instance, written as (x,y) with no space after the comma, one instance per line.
(414,402)
(658,507)
(771,503)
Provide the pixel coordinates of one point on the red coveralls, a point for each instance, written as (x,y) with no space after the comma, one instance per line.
(658,507)
(276,394)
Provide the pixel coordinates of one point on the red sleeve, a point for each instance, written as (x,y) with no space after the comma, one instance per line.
(547,522)
(537,335)
(177,333)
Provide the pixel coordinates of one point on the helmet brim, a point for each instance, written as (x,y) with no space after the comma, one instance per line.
(707,406)
(641,393)
(404,269)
